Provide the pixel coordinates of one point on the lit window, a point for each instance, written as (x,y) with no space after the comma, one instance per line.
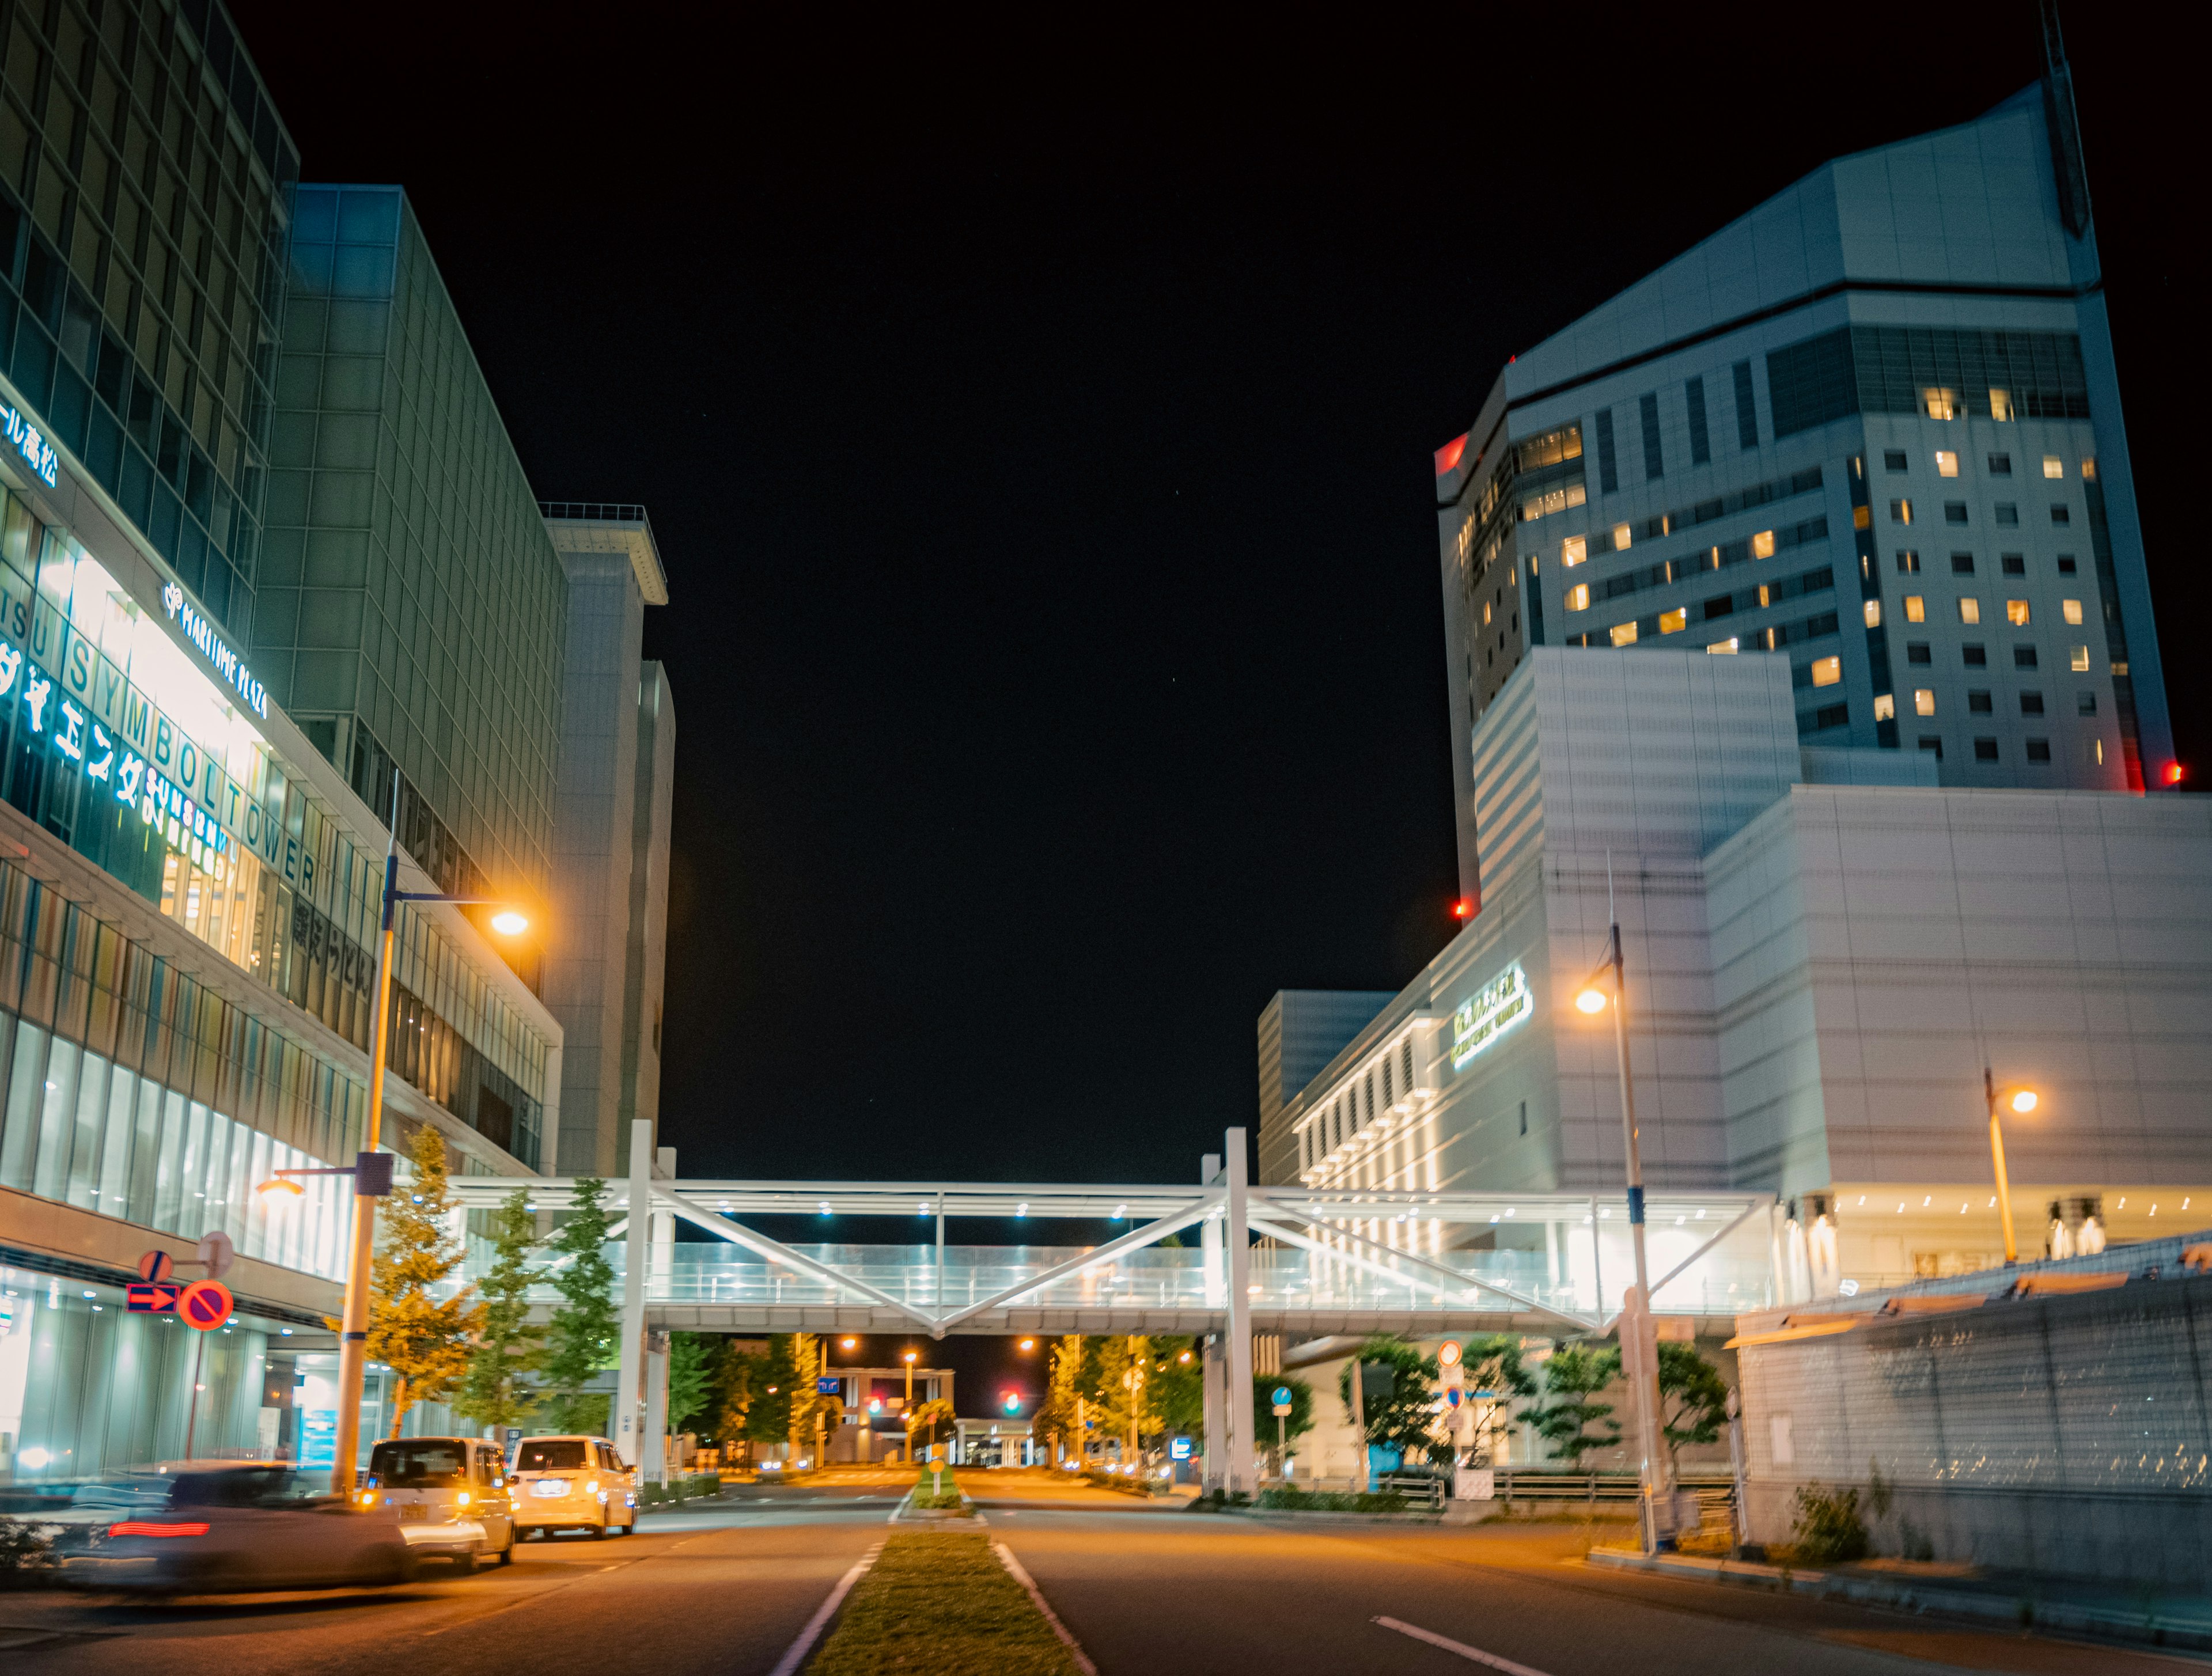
(1940,403)
(1573,550)
(2077,658)
(1624,634)
(2000,406)
(2053,466)
(1924,701)
(1885,707)
(2070,609)
(1908,564)
(1620,537)
(1901,512)
(1762,545)
(2016,613)
(1577,598)
(1765,594)
(2090,469)
(1727,646)
(1486,614)
(1673,622)
(1947,463)
(1827,671)
(1916,608)
(1970,610)
(1872,613)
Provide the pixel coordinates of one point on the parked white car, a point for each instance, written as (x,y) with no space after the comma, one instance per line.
(451,1495)
(573,1483)
(226,1527)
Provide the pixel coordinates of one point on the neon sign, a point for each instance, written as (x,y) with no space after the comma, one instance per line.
(227,664)
(1492,1009)
(34,448)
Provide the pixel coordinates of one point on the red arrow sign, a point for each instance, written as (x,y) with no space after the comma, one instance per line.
(156,1297)
(205,1305)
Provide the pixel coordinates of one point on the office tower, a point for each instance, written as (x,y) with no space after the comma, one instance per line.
(608,928)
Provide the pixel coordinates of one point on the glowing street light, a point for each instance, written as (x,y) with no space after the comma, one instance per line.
(1591,1000)
(2023,1100)
(508,922)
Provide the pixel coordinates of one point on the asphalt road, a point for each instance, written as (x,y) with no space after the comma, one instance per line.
(1146,1591)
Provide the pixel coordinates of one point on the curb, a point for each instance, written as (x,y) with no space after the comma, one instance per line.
(2091,1622)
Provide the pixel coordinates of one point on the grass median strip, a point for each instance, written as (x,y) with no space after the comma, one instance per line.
(938,1603)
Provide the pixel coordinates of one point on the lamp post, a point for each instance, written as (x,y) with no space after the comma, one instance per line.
(353,1337)
(2022,1100)
(1644,1369)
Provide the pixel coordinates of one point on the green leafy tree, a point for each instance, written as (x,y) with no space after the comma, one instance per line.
(1056,1417)
(809,1405)
(1572,1379)
(767,1413)
(1122,1398)
(426,1342)
(586,1332)
(495,1392)
(1399,1417)
(1692,1397)
(1496,1378)
(1178,1396)
(932,1419)
(690,1377)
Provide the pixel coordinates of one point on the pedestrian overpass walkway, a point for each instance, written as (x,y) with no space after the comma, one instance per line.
(1423,1264)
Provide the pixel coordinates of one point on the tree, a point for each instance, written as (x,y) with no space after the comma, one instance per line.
(690,1377)
(1575,1375)
(426,1343)
(584,1335)
(1398,1416)
(1692,1397)
(1495,1376)
(1121,1396)
(1179,1384)
(496,1392)
(928,1417)
(809,1404)
(774,1374)
(1059,1415)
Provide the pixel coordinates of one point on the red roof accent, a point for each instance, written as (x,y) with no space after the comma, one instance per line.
(1448,456)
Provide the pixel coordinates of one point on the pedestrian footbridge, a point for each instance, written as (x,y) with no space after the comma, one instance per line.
(1172,1260)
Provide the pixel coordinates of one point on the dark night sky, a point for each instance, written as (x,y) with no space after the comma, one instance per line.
(1036,425)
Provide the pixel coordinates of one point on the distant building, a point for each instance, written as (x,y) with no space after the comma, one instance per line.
(608,935)
(1873,426)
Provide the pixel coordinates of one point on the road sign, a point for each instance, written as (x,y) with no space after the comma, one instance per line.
(205,1305)
(1453,1397)
(155,1265)
(1448,1354)
(1178,1448)
(1282,1409)
(151,1297)
(216,1255)
(1282,1397)
(828,1388)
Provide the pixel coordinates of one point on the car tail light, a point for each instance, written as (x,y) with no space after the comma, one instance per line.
(147,1528)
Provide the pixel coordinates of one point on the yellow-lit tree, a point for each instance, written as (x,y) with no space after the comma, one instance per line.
(427,1342)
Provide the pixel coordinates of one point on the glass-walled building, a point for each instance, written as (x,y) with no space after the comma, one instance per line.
(188,886)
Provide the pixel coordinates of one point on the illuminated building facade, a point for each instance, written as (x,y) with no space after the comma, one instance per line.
(1872,428)
(188,882)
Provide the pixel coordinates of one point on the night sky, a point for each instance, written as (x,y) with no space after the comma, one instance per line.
(1035,419)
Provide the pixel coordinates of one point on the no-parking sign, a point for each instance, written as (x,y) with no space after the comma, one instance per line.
(205,1305)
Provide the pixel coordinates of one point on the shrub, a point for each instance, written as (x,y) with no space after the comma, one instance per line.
(1332,1501)
(1827,1526)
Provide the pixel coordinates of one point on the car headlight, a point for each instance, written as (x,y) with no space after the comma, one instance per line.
(592,1488)
(465,1498)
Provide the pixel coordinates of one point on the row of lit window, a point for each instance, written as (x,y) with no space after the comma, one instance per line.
(1946,463)
(2016,611)
(1575,548)
(1343,1117)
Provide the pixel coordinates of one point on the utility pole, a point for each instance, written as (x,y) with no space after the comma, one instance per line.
(1640,1357)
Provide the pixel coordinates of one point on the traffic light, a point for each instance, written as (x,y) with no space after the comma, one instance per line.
(1013,1402)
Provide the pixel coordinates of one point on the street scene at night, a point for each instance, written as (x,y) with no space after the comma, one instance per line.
(690,700)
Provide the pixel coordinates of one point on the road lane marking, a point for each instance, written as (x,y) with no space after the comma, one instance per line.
(1036,1598)
(1459,1647)
(795,1655)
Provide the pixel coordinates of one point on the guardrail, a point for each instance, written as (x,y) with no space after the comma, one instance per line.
(1418,1491)
(1716,1492)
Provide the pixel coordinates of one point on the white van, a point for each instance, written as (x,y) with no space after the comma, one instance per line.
(451,1495)
(572,1483)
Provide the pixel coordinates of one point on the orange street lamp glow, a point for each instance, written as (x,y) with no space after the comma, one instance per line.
(2023,1100)
(509,923)
(1591,1000)
(275,1192)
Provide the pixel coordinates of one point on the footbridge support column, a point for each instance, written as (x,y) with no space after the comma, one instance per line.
(1243,1473)
(1214,1370)
(626,1422)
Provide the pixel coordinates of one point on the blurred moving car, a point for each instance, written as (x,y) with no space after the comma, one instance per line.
(228,1526)
(573,1483)
(450,1494)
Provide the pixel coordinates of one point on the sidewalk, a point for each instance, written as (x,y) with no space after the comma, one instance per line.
(2094,1611)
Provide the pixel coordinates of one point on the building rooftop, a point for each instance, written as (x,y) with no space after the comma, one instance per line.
(609,526)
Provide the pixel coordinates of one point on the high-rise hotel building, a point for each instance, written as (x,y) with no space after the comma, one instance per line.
(263,543)
(1875,426)
(1797,620)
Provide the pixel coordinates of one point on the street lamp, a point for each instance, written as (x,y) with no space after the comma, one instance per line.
(1644,1370)
(2023,1100)
(353,1338)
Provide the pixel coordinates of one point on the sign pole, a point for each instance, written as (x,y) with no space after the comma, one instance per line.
(192,1409)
